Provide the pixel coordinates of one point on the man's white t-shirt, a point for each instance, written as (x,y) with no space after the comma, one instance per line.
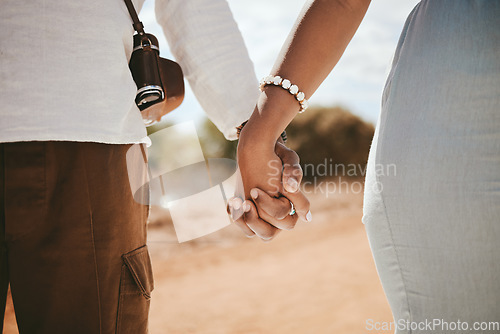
(64,68)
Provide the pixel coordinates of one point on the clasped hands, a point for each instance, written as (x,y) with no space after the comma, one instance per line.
(270,183)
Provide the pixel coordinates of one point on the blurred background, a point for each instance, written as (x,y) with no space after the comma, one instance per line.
(357,81)
(320,277)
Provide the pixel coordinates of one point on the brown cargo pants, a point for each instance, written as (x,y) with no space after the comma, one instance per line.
(72,239)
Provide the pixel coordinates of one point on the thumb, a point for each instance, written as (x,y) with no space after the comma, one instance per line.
(292,172)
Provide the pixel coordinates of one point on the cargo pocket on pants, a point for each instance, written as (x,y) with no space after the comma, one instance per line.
(136,284)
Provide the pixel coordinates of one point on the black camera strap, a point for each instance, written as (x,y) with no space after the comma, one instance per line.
(138,26)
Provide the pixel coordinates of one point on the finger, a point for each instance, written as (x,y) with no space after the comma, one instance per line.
(263,230)
(239,221)
(244,227)
(302,205)
(229,206)
(292,176)
(278,208)
(275,211)
(235,207)
(292,172)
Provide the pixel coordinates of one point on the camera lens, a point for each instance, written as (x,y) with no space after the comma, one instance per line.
(148,95)
(146,98)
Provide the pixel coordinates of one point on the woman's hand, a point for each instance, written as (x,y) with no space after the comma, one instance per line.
(314,46)
(259,164)
(267,177)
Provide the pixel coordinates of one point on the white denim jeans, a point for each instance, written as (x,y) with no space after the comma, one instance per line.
(432,196)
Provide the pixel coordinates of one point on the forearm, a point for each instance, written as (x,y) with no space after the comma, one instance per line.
(315,45)
(205,40)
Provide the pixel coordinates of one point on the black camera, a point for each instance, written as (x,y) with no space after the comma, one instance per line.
(145,71)
(160,82)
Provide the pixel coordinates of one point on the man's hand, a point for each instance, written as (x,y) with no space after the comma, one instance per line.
(265,215)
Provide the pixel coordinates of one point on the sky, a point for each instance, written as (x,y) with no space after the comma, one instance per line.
(357,81)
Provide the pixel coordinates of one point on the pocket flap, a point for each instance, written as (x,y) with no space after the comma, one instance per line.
(139,264)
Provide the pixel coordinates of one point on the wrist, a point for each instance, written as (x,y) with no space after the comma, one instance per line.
(287,86)
(254,138)
(274,111)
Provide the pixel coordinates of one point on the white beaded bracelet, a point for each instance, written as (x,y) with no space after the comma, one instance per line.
(286,85)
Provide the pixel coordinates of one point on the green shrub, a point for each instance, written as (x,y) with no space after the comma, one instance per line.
(331,135)
(321,135)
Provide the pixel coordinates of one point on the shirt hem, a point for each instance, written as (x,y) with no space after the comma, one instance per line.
(101,139)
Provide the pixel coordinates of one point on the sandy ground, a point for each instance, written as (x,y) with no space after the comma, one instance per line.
(318,278)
